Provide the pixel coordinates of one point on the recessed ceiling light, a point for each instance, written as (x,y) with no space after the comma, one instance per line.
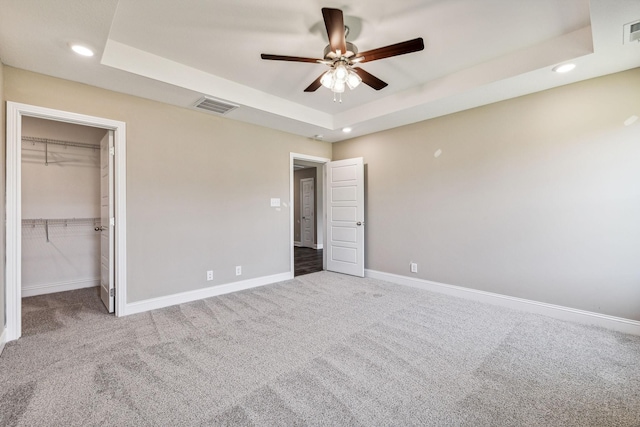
(81,50)
(564,68)
(346,130)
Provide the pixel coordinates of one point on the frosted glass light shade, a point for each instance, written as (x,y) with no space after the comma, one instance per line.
(338,87)
(327,79)
(341,73)
(353,80)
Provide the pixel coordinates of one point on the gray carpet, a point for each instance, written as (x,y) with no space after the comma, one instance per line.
(322,349)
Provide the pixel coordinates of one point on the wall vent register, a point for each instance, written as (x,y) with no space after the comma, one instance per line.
(632,32)
(214,105)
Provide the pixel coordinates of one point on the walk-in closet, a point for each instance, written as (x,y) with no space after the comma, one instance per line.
(61,205)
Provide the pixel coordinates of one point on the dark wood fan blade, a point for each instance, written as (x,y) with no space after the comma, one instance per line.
(315,85)
(334,22)
(370,79)
(409,46)
(288,58)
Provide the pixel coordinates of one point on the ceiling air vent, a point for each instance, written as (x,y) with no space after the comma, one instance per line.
(214,105)
(632,32)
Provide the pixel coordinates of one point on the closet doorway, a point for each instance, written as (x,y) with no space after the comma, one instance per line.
(65,179)
(61,200)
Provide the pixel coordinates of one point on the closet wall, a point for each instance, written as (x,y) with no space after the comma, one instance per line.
(60,199)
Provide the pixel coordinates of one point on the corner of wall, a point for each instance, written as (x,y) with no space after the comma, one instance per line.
(3,339)
(3,126)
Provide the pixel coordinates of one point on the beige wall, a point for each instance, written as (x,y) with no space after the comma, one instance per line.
(198,186)
(536,197)
(3,119)
(297,176)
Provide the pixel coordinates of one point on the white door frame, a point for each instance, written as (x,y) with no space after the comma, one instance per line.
(320,181)
(13,228)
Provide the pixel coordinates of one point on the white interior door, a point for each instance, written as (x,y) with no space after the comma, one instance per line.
(307,212)
(345,216)
(107,289)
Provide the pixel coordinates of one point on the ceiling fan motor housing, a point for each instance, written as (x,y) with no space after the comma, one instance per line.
(352,50)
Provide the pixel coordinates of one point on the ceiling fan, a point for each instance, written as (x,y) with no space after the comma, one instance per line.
(343,57)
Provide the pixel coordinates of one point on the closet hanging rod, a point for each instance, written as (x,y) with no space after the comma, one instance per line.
(60,221)
(60,142)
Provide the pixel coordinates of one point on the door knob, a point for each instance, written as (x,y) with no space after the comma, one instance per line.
(99,228)
(359,223)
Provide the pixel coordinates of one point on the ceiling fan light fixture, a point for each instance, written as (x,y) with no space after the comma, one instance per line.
(353,80)
(327,79)
(341,73)
(338,87)
(341,55)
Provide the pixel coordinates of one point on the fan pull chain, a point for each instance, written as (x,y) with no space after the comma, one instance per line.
(339,97)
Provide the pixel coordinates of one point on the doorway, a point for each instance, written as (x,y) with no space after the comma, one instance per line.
(341,216)
(308,238)
(14,187)
(307,214)
(60,206)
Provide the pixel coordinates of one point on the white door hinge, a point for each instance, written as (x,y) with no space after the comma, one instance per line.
(112,221)
(112,292)
(112,151)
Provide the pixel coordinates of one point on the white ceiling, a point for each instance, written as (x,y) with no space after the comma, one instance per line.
(476,52)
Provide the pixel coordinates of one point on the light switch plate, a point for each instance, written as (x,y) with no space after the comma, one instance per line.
(275,203)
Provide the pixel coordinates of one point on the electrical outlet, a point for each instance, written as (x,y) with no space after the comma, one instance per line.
(238,270)
(209,275)
(414,267)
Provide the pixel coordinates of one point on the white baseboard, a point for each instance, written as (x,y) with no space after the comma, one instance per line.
(183,297)
(3,339)
(620,324)
(318,246)
(50,288)
(297,244)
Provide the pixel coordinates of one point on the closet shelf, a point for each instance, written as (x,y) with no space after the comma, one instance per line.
(60,142)
(47,142)
(47,222)
(60,221)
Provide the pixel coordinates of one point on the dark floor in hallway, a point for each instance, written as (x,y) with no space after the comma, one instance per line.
(307,260)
